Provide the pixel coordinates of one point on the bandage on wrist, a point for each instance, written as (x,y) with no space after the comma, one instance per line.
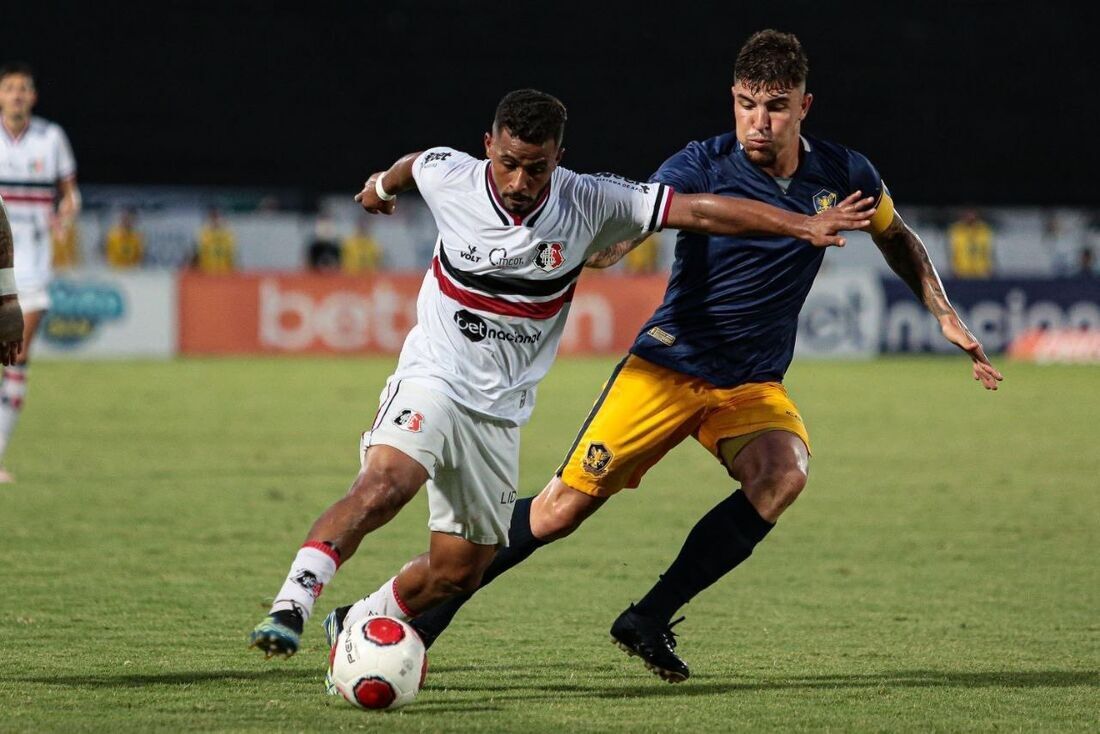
(7,281)
(381,191)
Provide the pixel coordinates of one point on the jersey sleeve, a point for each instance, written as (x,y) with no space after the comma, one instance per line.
(435,168)
(66,162)
(626,209)
(687,171)
(862,176)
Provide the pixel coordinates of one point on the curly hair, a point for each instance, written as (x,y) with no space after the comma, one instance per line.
(771,60)
(531,115)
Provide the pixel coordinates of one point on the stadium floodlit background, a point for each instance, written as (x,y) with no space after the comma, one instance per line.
(940,572)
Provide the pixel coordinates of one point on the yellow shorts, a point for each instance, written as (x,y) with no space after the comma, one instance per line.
(645,410)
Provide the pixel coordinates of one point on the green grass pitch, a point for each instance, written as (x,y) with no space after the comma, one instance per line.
(940,572)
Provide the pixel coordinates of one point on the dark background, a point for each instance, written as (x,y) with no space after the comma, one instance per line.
(991,103)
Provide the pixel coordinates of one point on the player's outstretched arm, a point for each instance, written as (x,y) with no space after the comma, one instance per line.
(11,315)
(396,179)
(908,257)
(726,215)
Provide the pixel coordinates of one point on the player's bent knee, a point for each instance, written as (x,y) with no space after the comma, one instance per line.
(561,509)
(784,484)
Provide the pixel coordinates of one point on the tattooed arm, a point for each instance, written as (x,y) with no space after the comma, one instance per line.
(11,316)
(908,257)
(609,256)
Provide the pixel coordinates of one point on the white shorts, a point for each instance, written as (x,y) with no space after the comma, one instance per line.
(472,460)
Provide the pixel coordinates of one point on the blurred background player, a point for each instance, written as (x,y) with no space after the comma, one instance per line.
(216,246)
(970,239)
(514,234)
(710,362)
(643,259)
(124,246)
(38,185)
(359,252)
(323,249)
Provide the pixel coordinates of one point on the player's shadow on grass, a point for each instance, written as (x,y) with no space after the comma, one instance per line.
(172,678)
(930,679)
(597,686)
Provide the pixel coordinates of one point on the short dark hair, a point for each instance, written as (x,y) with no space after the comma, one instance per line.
(771,60)
(17,67)
(531,115)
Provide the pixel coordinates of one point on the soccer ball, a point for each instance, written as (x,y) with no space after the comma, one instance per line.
(378,663)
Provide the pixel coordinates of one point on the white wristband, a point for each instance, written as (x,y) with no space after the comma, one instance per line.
(7,281)
(381,191)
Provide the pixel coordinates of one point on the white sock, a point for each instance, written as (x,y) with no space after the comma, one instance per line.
(385,603)
(13,391)
(313,567)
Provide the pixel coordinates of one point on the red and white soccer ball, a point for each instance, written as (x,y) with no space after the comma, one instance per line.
(378,663)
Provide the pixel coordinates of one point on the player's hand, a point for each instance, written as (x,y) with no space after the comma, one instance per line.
(956,332)
(11,329)
(369,200)
(855,212)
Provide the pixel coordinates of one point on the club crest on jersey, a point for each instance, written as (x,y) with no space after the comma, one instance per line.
(596,459)
(409,420)
(548,256)
(823,200)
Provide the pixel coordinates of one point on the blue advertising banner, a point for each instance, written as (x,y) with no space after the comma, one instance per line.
(997,311)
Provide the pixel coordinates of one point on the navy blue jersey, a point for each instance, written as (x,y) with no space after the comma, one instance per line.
(731,309)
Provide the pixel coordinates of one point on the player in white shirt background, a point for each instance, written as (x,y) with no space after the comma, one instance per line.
(514,233)
(38,185)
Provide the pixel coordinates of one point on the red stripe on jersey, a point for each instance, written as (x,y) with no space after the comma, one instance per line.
(668,205)
(27,198)
(543,310)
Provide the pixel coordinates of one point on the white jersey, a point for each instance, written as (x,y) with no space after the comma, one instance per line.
(31,166)
(493,305)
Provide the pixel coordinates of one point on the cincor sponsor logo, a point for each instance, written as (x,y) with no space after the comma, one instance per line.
(474,328)
(498,257)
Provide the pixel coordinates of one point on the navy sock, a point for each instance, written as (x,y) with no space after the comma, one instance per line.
(521,544)
(722,539)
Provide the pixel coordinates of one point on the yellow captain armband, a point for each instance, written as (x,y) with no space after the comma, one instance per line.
(884,213)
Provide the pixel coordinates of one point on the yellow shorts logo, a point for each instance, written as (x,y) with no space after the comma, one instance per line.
(597,459)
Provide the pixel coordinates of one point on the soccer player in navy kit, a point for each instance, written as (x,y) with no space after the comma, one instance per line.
(710,362)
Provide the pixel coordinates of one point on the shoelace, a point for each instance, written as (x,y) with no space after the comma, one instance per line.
(668,636)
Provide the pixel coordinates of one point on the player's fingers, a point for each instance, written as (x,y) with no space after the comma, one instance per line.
(988,374)
(988,381)
(851,205)
(850,198)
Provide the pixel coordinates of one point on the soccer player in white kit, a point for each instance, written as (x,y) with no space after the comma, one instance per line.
(514,233)
(37,174)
